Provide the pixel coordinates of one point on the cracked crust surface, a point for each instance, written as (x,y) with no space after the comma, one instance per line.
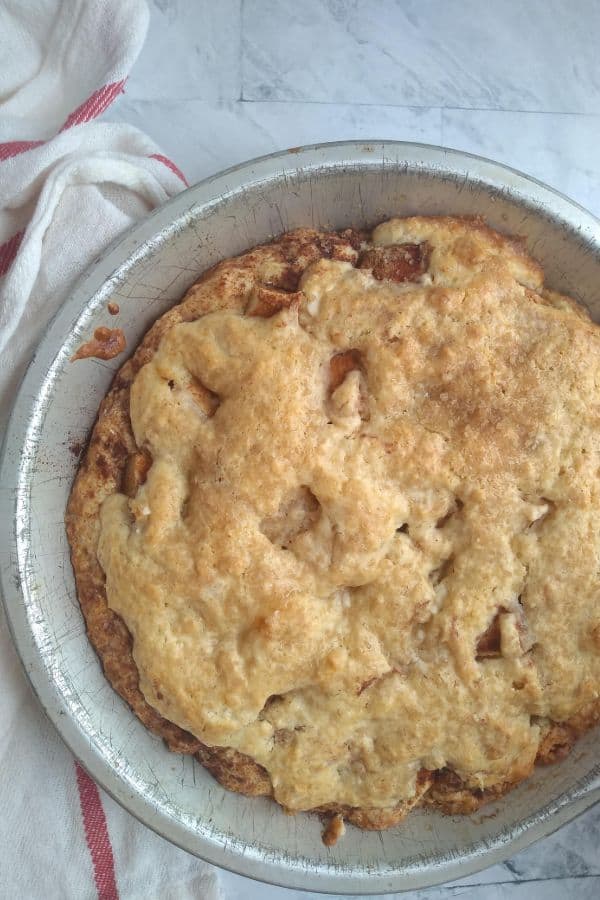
(335,532)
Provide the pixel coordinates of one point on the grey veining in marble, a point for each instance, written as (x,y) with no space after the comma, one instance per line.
(532,55)
(562,150)
(193,50)
(205,137)
(515,80)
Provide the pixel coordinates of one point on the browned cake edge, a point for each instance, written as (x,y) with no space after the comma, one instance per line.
(113,463)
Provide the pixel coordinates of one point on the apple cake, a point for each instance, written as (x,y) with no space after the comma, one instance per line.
(336,528)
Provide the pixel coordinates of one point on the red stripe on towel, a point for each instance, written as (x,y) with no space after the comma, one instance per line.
(95,104)
(90,109)
(8,251)
(13,148)
(96,835)
(170,165)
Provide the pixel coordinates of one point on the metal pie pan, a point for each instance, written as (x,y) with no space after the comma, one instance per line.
(330,186)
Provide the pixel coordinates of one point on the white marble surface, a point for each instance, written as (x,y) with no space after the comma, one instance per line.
(220,82)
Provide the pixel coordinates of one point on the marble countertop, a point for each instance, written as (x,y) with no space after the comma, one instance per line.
(218,83)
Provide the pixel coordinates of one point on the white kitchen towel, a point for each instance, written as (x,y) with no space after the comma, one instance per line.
(64,61)
(61,203)
(68,186)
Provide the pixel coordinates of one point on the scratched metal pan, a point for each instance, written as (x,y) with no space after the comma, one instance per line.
(331,186)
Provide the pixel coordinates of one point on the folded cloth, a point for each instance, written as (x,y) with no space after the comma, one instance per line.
(61,203)
(62,63)
(68,186)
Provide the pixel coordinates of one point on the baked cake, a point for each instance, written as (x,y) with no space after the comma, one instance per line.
(336,529)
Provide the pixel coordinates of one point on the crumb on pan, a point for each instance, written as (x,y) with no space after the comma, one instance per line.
(334,830)
(106,344)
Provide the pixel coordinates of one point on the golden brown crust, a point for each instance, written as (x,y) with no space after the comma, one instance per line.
(261,283)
